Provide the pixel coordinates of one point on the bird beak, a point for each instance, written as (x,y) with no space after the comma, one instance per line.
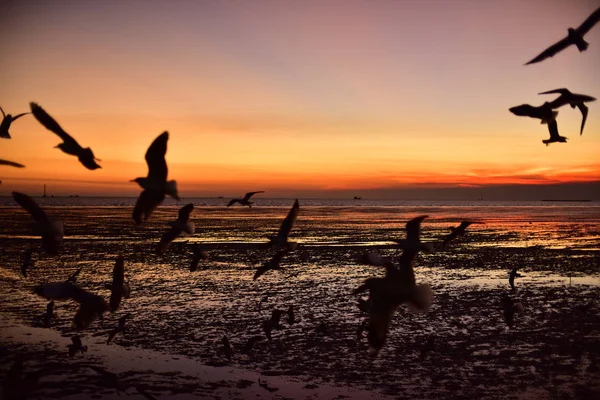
(57,146)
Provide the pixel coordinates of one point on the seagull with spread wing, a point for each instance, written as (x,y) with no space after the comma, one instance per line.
(11,164)
(7,120)
(572,99)
(398,286)
(69,144)
(51,231)
(546,116)
(91,306)
(181,225)
(574,37)
(281,238)
(155,185)
(413,233)
(272,265)
(245,201)
(457,231)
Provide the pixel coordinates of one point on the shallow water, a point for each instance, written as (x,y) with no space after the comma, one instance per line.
(176,312)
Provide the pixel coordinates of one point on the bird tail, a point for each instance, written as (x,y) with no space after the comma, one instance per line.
(545,121)
(422,299)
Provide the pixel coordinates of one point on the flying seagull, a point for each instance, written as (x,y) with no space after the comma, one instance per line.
(7,120)
(245,201)
(198,254)
(76,346)
(572,99)
(286,226)
(181,225)
(73,277)
(91,306)
(512,275)
(546,115)
(11,164)
(574,37)
(119,288)
(120,328)
(457,231)
(155,185)
(69,145)
(413,232)
(51,232)
(272,264)
(398,286)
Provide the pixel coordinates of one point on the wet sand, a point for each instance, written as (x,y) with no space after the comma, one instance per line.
(172,346)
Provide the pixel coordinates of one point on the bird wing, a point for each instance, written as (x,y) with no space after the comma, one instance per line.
(562,91)
(288,222)
(155,158)
(166,239)
(551,51)
(465,224)
(379,323)
(584,113)
(30,206)
(49,123)
(119,272)
(185,211)
(11,163)
(147,202)
(232,202)
(589,22)
(4,115)
(19,116)
(250,194)
(553,129)
(115,299)
(261,270)
(413,228)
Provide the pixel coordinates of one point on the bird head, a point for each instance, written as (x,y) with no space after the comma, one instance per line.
(138,180)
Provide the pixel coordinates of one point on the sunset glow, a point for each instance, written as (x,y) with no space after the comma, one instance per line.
(295,96)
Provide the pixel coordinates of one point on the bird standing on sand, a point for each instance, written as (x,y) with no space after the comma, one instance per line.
(69,145)
(546,115)
(91,306)
(11,164)
(510,308)
(572,99)
(272,265)
(457,231)
(7,120)
(73,277)
(574,37)
(51,232)
(227,350)
(198,254)
(27,262)
(155,185)
(397,287)
(245,201)
(512,275)
(49,315)
(76,346)
(181,225)
(281,239)
(119,288)
(250,344)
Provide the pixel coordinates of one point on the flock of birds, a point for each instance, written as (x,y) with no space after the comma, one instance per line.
(398,286)
(546,112)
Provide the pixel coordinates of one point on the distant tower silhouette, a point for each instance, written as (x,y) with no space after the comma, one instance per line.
(44,191)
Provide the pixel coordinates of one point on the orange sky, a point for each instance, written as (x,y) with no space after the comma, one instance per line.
(302,96)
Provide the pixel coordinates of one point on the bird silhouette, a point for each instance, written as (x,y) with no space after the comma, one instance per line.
(7,120)
(181,225)
(119,329)
(510,308)
(51,232)
(91,306)
(572,99)
(281,238)
(73,277)
(457,231)
(155,185)
(273,322)
(119,288)
(546,115)
(574,37)
(11,164)
(69,145)
(27,262)
(198,254)
(272,265)
(245,201)
(49,315)
(76,346)
(250,344)
(227,350)
(512,275)
(398,286)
